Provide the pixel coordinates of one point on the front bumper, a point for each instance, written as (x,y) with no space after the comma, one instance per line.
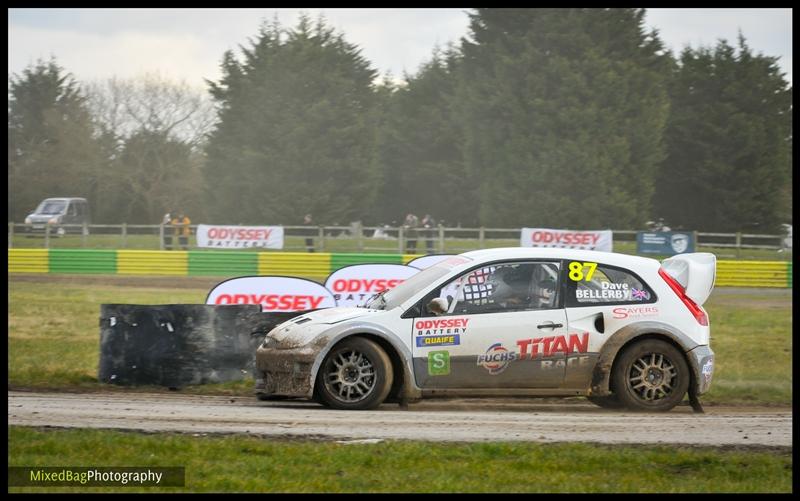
(702,361)
(285,372)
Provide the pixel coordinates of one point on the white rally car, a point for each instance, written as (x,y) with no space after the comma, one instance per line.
(625,331)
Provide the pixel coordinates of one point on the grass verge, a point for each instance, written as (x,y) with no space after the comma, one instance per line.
(253,464)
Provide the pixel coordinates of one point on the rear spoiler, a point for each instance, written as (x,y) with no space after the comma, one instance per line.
(695,272)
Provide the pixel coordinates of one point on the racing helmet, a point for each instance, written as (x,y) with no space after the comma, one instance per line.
(508,282)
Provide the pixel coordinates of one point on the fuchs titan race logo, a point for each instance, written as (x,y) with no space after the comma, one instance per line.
(496,359)
(545,347)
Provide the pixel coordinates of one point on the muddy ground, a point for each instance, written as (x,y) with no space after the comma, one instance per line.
(458,420)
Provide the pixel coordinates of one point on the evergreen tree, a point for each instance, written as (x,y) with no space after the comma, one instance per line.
(295,131)
(563,111)
(421,159)
(158,174)
(52,151)
(728,166)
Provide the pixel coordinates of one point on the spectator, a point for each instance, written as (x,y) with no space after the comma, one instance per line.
(166,232)
(410,226)
(308,221)
(428,225)
(182,230)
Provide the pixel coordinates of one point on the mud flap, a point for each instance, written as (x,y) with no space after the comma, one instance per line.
(181,344)
(694,399)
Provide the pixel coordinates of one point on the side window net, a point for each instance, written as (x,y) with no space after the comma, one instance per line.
(503,287)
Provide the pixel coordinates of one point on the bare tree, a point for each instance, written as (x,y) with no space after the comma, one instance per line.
(157,129)
(154,104)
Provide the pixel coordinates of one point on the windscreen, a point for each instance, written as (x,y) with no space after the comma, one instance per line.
(400,294)
(51,207)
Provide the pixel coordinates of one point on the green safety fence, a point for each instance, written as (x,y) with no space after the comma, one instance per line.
(228,263)
(310,264)
(339,261)
(82,261)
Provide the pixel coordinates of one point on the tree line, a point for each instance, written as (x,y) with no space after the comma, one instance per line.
(548,117)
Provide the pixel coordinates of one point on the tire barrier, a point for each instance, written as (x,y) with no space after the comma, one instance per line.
(317,265)
(181,344)
(190,263)
(754,274)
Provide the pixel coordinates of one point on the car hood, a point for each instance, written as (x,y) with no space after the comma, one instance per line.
(42,217)
(332,315)
(302,329)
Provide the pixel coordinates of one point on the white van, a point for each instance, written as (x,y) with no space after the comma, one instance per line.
(57,212)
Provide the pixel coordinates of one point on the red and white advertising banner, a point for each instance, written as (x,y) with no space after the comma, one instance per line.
(272,293)
(239,237)
(428,261)
(355,285)
(567,239)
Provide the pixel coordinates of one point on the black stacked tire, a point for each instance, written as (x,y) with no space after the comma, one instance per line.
(355,375)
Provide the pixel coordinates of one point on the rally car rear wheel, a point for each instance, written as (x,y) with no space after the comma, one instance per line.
(356,374)
(651,375)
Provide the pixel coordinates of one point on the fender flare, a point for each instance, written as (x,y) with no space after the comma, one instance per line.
(601,375)
(338,333)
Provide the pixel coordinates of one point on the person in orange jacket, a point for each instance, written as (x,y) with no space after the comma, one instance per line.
(182,229)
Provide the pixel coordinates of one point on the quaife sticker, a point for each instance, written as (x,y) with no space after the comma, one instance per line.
(448,340)
(439,363)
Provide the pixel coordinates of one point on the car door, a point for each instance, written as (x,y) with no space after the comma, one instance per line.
(495,333)
(601,299)
(71,213)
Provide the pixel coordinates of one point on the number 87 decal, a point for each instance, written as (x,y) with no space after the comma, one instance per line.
(576,271)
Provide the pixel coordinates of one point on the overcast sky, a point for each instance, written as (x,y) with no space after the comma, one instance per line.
(187,44)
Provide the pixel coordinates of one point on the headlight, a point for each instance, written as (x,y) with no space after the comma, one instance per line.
(54,220)
(28,220)
(269,343)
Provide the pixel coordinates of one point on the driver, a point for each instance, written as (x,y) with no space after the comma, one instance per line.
(510,287)
(546,293)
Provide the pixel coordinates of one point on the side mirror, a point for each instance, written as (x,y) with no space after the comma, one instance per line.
(438,306)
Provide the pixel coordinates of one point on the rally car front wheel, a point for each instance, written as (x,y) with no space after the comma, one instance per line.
(355,375)
(650,375)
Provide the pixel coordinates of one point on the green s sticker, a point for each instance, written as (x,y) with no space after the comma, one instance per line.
(439,363)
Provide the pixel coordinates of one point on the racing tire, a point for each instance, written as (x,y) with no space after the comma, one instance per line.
(355,375)
(606,402)
(650,376)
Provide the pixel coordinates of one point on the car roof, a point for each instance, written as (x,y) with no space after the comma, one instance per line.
(612,258)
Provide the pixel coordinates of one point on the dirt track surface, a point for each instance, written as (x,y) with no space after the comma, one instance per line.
(433,420)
